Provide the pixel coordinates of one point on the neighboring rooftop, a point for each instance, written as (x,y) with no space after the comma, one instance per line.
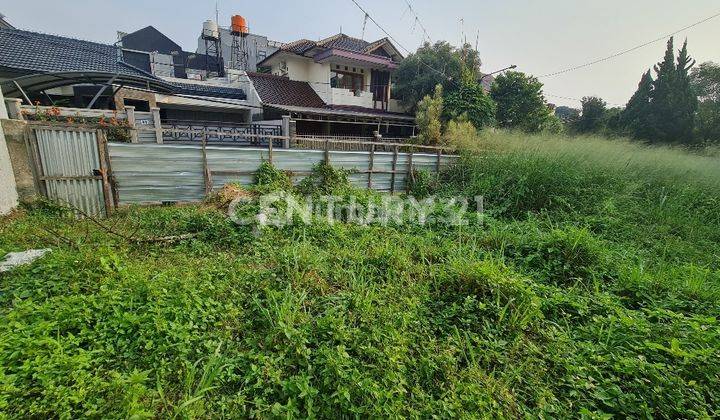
(4,24)
(280,90)
(211,91)
(382,47)
(33,52)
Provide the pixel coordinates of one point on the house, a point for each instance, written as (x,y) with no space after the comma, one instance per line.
(62,71)
(153,51)
(340,84)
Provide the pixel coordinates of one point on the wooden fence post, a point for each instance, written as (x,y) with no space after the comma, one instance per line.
(394,169)
(437,164)
(206,171)
(327,151)
(270,149)
(410,176)
(371,166)
(107,192)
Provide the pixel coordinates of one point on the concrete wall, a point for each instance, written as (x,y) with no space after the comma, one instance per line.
(20,161)
(8,192)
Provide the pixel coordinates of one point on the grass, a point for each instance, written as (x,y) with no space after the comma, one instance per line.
(592,289)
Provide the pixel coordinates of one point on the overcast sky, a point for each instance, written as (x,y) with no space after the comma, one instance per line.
(539,36)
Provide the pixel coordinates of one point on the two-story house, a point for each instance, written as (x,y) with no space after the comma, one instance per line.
(350,76)
(342,70)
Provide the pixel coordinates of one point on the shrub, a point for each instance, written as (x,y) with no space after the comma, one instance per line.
(324,180)
(268,178)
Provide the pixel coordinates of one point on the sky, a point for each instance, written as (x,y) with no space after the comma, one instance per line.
(540,37)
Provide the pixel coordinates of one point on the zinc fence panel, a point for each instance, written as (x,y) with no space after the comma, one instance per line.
(68,154)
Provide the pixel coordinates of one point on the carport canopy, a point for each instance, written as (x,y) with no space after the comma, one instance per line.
(19,87)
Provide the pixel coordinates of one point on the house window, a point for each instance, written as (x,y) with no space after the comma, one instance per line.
(343,80)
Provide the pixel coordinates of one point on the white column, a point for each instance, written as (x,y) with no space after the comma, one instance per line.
(8,190)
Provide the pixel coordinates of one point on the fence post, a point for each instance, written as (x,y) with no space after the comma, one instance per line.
(327,151)
(292,128)
(101,141)
(394,169)
(410,176)
(206,171)
(437,164)
(371,166)
(270,149)
(130,110)
(13,108)
(158,125)
(286,131)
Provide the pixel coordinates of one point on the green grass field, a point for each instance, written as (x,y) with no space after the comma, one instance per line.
(591,288)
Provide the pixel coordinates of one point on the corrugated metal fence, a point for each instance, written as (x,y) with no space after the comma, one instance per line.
(149,173)
(69,168)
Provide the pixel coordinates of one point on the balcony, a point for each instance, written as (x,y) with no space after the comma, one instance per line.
(353,98)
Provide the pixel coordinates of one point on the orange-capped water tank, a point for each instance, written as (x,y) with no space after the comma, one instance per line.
(238,25)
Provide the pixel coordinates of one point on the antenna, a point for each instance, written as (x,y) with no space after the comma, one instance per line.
(364,25)
(217,12)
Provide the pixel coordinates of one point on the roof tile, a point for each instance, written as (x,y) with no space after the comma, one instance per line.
(280,90)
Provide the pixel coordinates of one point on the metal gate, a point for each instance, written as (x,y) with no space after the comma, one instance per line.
(70,165)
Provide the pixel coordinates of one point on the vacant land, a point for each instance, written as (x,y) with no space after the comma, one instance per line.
(592,287)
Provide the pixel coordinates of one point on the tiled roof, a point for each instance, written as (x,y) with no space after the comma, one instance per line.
(299,46)
(209,91)
(341,41)
(344,42)
(280,90)
(36,53)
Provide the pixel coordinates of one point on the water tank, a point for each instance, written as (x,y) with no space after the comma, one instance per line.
(238,25)
(210,30)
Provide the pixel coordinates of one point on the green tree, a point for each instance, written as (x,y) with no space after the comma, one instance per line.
(705,80)
(673,105)
(593,118)
(432,65)
(468,99)
(635,119)
(520,102)
(428,117)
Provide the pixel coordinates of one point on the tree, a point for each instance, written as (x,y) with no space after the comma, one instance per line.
(428,117)
(567,114)
(635,119)
(520,102)
(673,105)
(705,80)
(432,65)
(468,99)
(593,117)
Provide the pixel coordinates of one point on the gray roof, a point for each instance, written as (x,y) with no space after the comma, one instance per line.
(211,91)
(32,52)
(341,41)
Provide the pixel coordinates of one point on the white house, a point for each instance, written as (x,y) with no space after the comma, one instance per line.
(342,70)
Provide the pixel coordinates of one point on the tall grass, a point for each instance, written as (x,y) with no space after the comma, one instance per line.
(592,290)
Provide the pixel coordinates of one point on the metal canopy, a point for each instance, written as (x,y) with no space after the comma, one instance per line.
(42,81)
(347,113)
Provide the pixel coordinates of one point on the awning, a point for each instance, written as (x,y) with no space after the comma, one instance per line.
(351,113)
(42,81)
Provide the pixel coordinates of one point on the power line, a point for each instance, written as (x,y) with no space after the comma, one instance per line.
(417,21)
(610,57)
(372,19)
(576,99)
